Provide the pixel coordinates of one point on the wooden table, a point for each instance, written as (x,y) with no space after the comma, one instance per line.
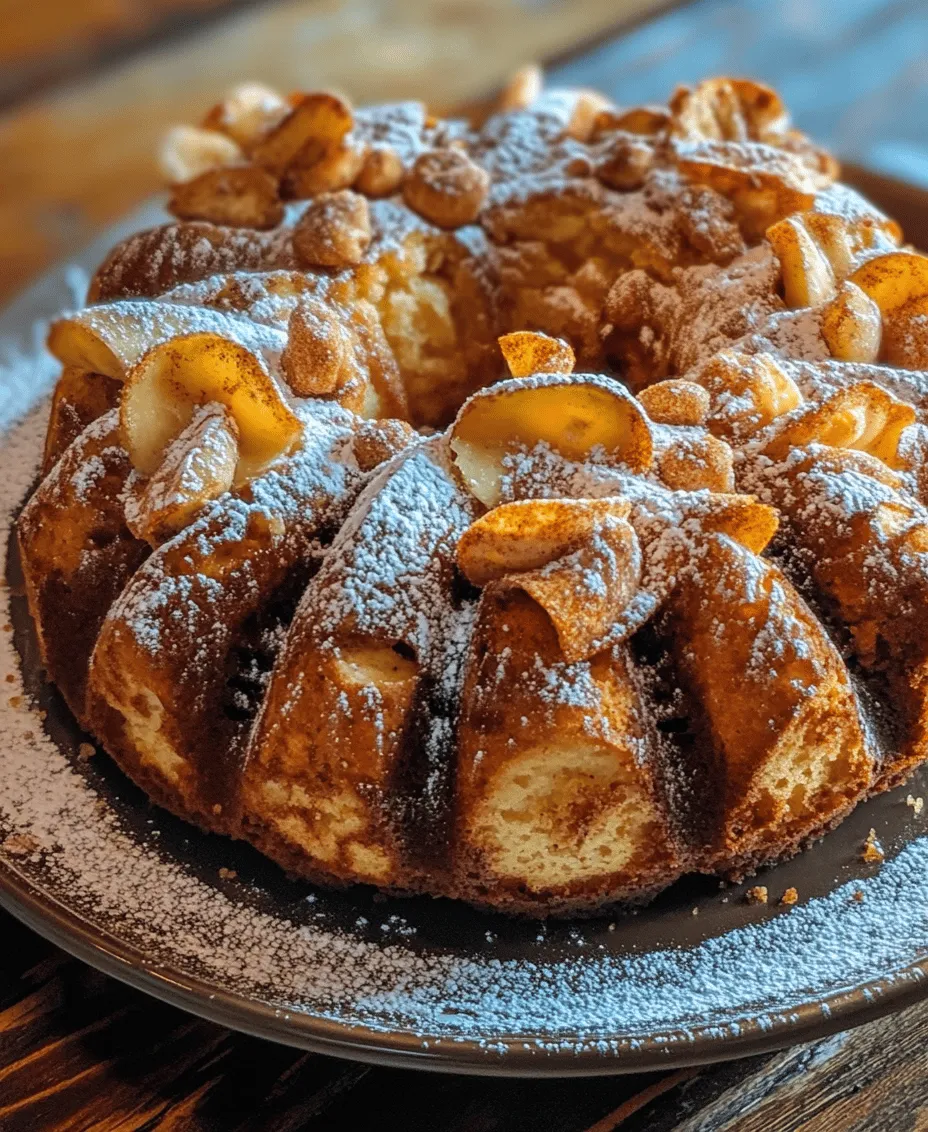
(87,88)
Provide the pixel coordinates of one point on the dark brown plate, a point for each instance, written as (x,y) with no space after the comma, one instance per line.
(697,976)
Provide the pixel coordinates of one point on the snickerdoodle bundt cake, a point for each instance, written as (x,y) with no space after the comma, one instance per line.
(318,575)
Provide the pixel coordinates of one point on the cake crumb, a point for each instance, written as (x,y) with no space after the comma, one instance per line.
(217,809)
(15,702)
(20,845)
(10,678)
(872,851)
(790,896)
(695,912)
(859,896)
(86,751)
(917,804)
(228,874)
(757,894)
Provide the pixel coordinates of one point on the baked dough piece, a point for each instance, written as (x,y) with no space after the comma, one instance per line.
(860,542)
(77,553)
(562,797)
(289,399)
(183,656)
(773,699)
(350,759)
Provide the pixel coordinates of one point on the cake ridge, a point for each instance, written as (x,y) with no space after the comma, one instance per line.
(540,641)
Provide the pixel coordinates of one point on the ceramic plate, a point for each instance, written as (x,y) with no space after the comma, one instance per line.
(211,926)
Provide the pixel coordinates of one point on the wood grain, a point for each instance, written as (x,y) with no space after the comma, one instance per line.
(874,1079)
(42,42)
(80,1051)
(75,160)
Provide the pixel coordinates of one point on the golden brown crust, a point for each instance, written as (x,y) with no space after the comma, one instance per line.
(859,542)
(630,696)
(558,799)
(158,259)
(79,399)
(183,657)
(77,553)
(337,763)
(791,756)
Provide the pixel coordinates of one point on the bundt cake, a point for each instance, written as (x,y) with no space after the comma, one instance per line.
(527,510)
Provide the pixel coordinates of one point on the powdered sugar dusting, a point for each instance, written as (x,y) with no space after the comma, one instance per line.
(386,574)
(582,999)
(576,996)
(295,498)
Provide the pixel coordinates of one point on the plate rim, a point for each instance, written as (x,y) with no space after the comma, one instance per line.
(28,900)
(508,1056)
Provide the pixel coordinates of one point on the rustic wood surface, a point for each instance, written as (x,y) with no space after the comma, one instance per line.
(78,157)
(77,1049)
(80,1051)
(45,42)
